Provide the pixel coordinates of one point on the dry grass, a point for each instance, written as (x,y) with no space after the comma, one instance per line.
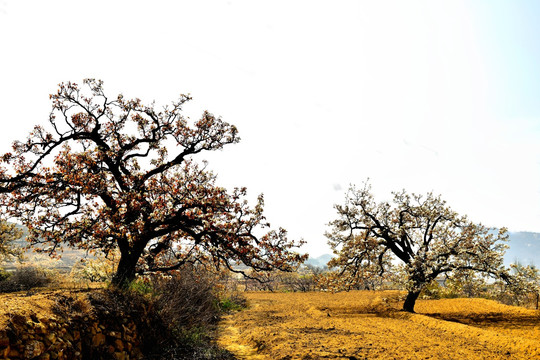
(22,305)
(368,325)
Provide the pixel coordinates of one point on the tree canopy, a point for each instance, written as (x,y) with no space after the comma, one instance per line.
(111,173)
(422,231)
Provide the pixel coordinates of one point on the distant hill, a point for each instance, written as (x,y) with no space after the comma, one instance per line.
(319,261)
(524,247)
(69,256)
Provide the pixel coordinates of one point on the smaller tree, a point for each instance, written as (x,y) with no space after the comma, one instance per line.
(466,283)
(9,232)
(422,231)
(95,269)
(525,282)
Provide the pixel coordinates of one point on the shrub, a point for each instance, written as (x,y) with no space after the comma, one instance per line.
(190,303)
(233,302)
(26,278)
(178,313)
(188,298)
(4,274)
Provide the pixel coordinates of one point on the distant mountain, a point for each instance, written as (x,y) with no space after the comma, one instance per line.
(319,261)
(524,247)
(69,257)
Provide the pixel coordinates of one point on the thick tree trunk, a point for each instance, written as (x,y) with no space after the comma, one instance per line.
(125,272)
(410,300)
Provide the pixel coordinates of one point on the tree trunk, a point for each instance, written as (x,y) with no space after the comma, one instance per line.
(125,272)
(410,300)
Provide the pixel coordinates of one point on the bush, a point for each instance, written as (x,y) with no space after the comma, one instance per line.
(4,274)
(26,278)
(190,298)
(190,302)
(233,302)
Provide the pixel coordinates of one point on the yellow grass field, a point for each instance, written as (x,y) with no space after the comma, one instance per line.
(368,325)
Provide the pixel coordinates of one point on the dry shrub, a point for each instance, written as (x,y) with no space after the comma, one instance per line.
(189,303)
(177,313)
(26,278)
(68,306)
(188,298)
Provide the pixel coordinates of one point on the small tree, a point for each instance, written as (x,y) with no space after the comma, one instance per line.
(525,282)
(109,174)
(95,269)
(466,283)
(421,231)
(9,232)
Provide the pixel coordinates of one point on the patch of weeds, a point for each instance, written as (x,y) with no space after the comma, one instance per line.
(231,303)
(142,287)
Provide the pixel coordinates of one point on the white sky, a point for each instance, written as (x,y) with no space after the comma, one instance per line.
(424,95)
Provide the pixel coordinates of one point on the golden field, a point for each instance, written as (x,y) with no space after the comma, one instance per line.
(368,325)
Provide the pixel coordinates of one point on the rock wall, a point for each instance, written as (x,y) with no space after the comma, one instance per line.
(85,335)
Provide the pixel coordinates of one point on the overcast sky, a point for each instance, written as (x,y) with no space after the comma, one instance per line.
(438,96)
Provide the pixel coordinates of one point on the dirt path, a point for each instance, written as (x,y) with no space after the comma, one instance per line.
(231,339)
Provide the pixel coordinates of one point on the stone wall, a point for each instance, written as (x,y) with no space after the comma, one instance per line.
(87,334)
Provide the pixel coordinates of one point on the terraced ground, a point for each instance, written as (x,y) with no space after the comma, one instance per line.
(369,325)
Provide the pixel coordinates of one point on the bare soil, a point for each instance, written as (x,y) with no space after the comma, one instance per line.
(369,325)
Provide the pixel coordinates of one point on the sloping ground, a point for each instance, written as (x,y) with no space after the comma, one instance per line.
(18,303)
(36,302)
(368,325)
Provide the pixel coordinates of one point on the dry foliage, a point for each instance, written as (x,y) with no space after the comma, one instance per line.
(108,173)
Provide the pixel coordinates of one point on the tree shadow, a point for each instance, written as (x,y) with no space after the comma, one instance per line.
(493,319)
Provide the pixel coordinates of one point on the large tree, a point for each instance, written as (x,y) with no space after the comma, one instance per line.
(111,173)
(422,231)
